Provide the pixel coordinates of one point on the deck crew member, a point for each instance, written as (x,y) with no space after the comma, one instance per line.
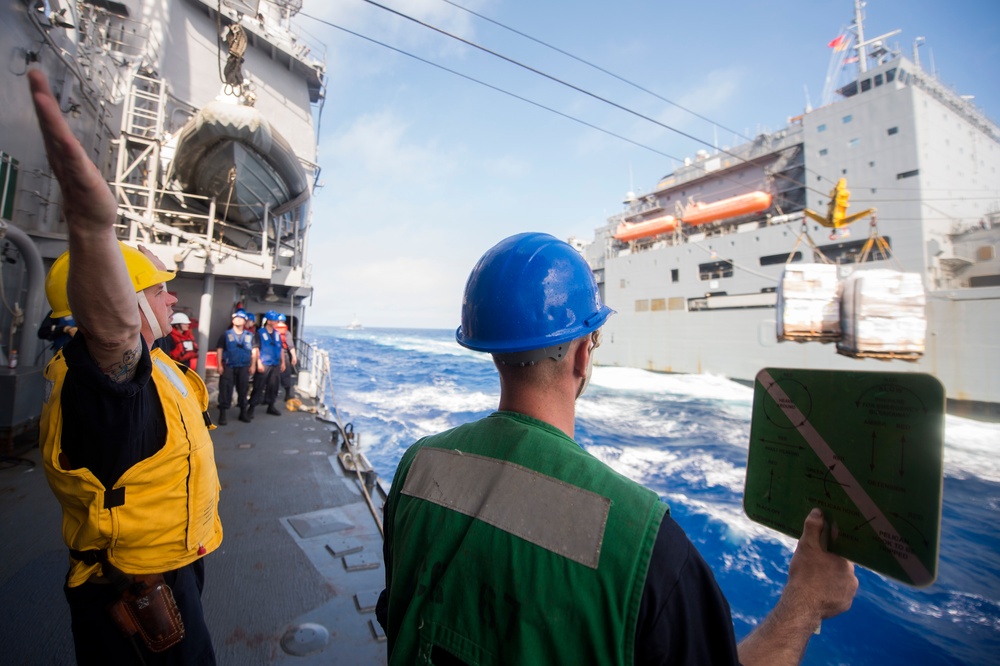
(270,363)
(234,352)
(180,343)
(288,355)
(506,542)
(124,435)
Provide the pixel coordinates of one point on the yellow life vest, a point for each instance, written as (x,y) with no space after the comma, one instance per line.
(167,512)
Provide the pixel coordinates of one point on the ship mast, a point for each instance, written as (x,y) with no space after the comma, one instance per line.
(862,45)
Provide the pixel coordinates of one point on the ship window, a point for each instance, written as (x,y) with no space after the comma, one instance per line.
(854,143)
(890,75)
(878,80)
(658,304)
(903,76)
(677,303)
(907,174)
(821,128)
(642,305)
(985,253)
(985,281)
(846,119)
(674,275)
(774,259)
(892,130)
(866,85)
(823,151)
(715,270)
(850,252)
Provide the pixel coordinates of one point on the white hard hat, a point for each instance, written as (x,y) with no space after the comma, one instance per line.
(179,318)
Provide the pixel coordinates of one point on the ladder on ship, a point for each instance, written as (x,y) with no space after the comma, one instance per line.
(138,147)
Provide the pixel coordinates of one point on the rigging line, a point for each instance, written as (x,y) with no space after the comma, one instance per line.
(578,89)
(542,106)
(490,86)
(598,68)
(549,77)
(709,250)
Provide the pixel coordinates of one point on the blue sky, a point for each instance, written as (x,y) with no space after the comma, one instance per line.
(423,171)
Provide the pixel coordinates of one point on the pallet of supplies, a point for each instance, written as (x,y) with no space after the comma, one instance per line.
(883,315)
(808,304)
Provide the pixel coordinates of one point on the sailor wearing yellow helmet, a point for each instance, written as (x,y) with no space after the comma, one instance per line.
(124,434)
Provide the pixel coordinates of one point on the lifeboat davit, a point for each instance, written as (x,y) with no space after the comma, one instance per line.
(654,227)
(227,138)
(744,204)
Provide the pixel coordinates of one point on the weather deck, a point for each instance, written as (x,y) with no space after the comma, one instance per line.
(301,554)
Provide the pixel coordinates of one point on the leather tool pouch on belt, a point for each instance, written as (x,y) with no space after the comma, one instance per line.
(146,606)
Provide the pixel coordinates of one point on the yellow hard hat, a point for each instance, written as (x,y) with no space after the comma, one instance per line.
(141,269)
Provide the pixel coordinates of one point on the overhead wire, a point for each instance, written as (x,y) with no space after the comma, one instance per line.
(586,92)
(525,99)
(598,68)
(488,85)
(799,183)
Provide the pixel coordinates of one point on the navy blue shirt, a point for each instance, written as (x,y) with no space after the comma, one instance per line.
(109,427)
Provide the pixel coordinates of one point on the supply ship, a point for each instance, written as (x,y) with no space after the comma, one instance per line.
(203,117)
(694,266)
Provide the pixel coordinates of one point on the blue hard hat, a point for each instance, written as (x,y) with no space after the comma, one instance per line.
(241,313)
(530,291)
(271,315)
(251,318)
(281,317)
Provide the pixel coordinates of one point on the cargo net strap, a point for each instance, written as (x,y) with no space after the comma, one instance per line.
(877,240)
(804,235)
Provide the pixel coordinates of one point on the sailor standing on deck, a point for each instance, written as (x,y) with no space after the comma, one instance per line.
(506,542)
(124,435)
(234,352)
(270,363)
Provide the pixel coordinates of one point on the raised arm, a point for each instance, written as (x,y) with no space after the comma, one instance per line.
(820,585)
(100,292)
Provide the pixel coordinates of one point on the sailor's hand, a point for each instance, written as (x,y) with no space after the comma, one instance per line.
(87,202)
(820,584)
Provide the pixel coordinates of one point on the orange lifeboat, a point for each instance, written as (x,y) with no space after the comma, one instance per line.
(702,213)
(654,227)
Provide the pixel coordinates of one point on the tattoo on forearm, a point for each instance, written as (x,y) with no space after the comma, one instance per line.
(125,370)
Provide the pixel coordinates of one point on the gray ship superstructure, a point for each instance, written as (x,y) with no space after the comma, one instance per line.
(701,298)
(203,123)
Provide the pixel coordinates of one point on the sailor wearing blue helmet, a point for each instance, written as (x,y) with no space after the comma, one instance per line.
(269,362)
(506,542)
(234,353)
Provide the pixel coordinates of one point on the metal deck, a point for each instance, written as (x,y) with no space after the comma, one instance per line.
(301,554)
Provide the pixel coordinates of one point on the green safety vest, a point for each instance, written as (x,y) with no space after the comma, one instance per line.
(510,544)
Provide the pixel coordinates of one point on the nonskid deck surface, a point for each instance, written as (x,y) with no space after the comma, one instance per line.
(300,556)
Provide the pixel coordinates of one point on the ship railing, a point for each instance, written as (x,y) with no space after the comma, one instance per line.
(956,103)
(314,369)
(112,48)
(144,220)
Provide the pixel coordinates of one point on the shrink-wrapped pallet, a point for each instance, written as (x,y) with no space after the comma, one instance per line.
(883,315)
(808,303)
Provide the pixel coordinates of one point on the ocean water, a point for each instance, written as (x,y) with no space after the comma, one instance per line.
(685,437)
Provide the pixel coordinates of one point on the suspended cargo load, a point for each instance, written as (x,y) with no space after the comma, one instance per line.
(809,304)
(654,227)
(745,204)
(883,315)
